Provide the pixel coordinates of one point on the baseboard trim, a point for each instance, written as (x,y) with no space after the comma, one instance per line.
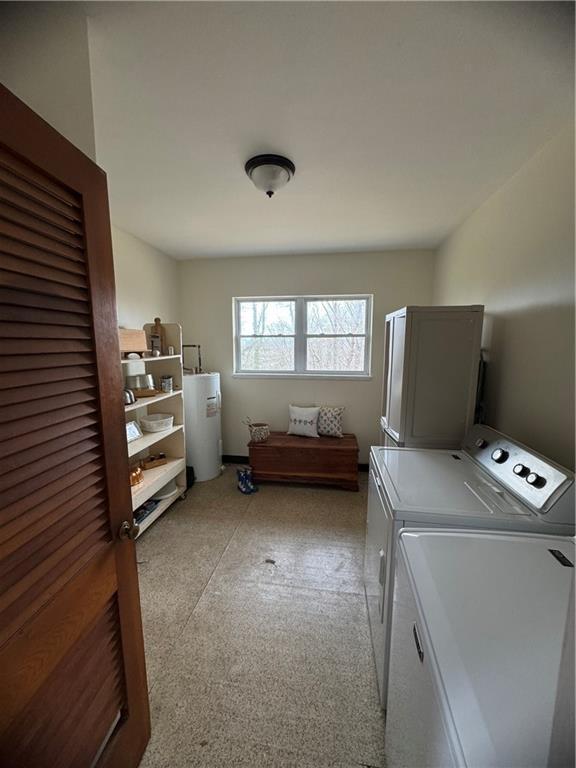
(232,459)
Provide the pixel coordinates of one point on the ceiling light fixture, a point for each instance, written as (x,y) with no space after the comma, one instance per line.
(270,172)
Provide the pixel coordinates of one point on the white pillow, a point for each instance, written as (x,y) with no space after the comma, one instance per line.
(303,421)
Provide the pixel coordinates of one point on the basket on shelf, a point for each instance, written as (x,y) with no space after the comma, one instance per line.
(156,422)
(259,431)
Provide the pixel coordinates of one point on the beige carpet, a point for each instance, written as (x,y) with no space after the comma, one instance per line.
(257,642)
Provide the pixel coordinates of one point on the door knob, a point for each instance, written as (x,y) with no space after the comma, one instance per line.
(128,530)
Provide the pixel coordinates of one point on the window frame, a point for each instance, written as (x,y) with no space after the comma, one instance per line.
(301,336)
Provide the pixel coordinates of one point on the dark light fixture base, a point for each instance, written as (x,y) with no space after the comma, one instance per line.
(279,162)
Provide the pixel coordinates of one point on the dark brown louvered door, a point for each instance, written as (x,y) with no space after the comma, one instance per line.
(72,678)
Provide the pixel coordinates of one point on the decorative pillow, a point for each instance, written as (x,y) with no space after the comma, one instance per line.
(330,421)
(303,421)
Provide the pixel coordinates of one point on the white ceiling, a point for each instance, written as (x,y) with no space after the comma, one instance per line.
(401,118)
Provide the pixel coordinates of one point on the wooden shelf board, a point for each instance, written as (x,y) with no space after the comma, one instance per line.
(150,439)
(154,479)
(142,402)
(160,509)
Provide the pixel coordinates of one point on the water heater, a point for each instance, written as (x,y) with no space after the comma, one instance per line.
(202,418)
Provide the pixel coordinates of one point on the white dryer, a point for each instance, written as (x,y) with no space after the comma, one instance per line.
(492,483)
(482,659)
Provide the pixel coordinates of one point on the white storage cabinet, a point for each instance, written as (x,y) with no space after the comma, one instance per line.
(431,362)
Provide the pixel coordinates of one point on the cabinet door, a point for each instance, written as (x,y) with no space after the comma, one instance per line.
(395,383)
(443,371)
(72,677)
(416,734)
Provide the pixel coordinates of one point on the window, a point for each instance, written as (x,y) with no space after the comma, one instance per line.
(303,335)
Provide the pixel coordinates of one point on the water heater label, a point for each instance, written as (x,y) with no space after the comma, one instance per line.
(211,406)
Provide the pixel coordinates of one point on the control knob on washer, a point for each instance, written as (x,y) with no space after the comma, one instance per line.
(481,443)
(499,455)
(521,470)
(536,481)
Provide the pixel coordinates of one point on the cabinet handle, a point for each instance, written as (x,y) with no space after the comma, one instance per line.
(418,646)
(382,573)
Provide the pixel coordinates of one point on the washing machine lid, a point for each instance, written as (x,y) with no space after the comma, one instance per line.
(422,484)
(493,608)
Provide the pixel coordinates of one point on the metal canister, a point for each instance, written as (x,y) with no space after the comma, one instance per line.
(167,384)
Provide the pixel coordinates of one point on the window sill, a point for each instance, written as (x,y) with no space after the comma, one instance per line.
(304,376)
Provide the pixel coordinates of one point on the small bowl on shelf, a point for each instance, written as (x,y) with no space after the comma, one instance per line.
(157,422)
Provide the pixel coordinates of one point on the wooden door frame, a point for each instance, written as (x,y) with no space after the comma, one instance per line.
(26,134)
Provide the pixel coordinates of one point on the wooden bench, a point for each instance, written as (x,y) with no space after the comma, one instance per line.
(295,459)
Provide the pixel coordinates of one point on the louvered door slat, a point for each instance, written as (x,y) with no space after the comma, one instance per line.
(11,297)
(39,639)
(53,536)
(16,582)
(90,660)
(43,496)
(13,314)
(86,502)
(23,267)
(43,405)
(40,226)
(45,450)
(43,331)
(47,563)
(95,658)
(36,256)
(24,187)
(71,653)
(42,436)
(48,390)
(16,492)
(40,285)
(48,461)
(43,420)
(21,234)
(35,207)
(52,360)
(36,180)
(59,570)
(46,346)
(33,377)
(36,519)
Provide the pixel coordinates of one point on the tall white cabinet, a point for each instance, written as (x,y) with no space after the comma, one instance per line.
(169,441)
(431,362)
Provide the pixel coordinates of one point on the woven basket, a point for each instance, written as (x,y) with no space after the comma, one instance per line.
(259,432)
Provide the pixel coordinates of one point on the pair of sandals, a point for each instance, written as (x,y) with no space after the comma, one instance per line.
(245,484)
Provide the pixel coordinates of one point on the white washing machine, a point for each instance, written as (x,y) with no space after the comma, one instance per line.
(482,651)
(492,483)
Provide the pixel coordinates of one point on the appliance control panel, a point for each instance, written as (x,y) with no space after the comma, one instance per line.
(535,480)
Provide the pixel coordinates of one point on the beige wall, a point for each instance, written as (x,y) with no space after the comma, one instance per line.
(146,282)
(515,254)
(206,290)
(44,60)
